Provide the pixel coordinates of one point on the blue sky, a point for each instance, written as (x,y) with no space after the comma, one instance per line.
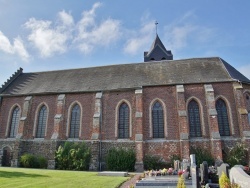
(42,35)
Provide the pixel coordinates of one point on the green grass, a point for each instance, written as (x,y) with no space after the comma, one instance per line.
(23,177)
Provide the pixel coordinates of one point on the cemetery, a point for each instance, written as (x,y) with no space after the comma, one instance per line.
(187,173)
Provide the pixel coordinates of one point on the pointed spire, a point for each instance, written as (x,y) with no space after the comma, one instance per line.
(157,51)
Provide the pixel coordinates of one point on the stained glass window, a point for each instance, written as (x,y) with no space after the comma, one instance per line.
(222,116)
(42,121)
(14,122)
(123,125)
(75,122)
(158,120)
(194,119)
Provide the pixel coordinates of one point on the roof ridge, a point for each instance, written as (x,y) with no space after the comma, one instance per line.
(125,64)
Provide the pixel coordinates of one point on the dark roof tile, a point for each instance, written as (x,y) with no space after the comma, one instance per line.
(115,77)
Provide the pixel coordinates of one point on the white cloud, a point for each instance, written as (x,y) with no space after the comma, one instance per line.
(182,32)
(17,48)
(48,38)
(5,44)
(91,35)
(245,70)
(141,39)
(20,49)
(66,18)
(57,37)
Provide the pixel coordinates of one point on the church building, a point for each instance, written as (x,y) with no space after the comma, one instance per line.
(158,107)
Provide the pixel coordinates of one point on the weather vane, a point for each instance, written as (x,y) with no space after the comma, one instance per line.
(156,23)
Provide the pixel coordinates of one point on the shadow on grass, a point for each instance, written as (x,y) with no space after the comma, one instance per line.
(4,174)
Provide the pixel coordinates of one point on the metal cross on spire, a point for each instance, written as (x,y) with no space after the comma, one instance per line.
(156,23)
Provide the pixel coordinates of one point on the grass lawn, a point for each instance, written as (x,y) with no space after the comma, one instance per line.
(24,177)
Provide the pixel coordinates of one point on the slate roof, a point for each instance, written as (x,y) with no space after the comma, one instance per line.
(125,76)
(157,51)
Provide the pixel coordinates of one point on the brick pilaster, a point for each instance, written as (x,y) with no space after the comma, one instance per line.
(242,111)
(23,120)
(96,133)
(242,115)
(216,149)
(97,117)
(183,123)
(58,119)
(139,130)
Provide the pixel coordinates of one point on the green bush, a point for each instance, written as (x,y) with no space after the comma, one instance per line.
(174,158)
(42,162)
(120,159)
(73,156)
(155,162)
(201,155)
(236,155)
(28,161)
(31,161)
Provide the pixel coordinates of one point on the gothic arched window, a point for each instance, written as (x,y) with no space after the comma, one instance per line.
(123,124)
(42,121)
(158,120)
(75,122)
(14,122)
(194,119)
(222,116)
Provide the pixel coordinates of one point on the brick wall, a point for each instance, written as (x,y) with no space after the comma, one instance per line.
(7,104)
(164,147)
(110,101)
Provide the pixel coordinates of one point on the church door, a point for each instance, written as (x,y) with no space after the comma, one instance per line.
(6,157)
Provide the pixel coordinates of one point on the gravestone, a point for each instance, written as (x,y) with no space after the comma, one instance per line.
(185,164)
(224,167)
(193,171)
(176,165)
(187,173)
(204,173)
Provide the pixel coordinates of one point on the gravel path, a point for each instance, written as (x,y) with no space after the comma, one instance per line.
(131,181)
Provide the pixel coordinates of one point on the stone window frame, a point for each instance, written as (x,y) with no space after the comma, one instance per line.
(69,120)
(151,119)
(201,111)
(229,113)
(245,94)
(36,119)
(117,118)
(10,119)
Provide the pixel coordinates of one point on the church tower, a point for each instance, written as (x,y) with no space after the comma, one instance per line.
(158,52)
